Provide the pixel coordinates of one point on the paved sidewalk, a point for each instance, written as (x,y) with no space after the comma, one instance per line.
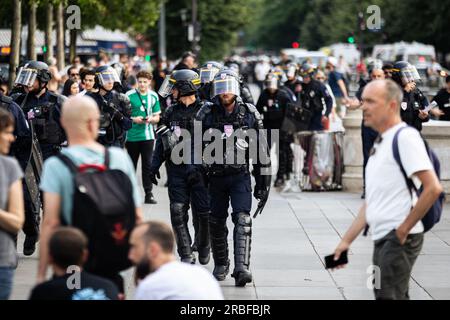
(290,239)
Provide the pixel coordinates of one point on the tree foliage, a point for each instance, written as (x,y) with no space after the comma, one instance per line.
(317,23)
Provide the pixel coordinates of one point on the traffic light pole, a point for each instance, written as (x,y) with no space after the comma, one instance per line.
(194,27)
(162,32)
(361,28)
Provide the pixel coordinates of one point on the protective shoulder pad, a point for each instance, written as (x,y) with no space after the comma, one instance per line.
(5,99)
(204,110)
(123,97)
(57,98)
(252,109)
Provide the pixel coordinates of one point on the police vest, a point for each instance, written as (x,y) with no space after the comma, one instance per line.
(272,109)
(43,118)
(311,98)
(235,146)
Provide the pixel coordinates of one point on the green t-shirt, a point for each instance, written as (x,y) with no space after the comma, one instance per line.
(144,106)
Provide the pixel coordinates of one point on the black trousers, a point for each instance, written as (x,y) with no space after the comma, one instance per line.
(142,149)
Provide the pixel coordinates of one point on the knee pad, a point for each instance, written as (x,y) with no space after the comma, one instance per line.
(178,211)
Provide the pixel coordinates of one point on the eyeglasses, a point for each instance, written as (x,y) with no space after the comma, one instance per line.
(320,78)
(377,141)
(74,74)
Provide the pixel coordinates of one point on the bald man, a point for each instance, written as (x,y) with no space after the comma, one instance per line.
(393,215)
(80,118)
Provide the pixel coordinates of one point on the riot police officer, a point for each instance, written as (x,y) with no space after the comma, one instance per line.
(414,101)
(272,104)
(42,109)
(314,97)
(207,73)
(229,180)
(185,184)
(293,82)
(115,107)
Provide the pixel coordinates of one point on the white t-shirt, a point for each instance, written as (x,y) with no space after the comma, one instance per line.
(388,200)
(179,281)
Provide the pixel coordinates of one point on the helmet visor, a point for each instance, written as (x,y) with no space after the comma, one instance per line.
(207,74)
(228,85)
(409,74)
(108,76)
(26,77)
(291,71)
(271,83)
(167,86)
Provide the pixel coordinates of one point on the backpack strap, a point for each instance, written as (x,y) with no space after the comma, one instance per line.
(67,162)
(107,157)
(395,150)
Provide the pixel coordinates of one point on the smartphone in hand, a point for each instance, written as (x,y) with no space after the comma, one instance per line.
(330,263)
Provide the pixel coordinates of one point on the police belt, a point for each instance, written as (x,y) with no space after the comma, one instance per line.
(226,169)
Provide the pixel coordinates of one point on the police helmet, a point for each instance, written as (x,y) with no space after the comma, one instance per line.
(31,71)
(209,70)
(403,73)
(272,81)
(307,70)
(291,70)
(186,81)
(226,82)
(106,74)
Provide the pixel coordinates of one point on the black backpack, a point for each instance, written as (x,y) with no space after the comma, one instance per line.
(103,208)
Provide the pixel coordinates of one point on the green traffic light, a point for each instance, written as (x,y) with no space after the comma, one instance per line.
(147,58)
(351,40)
(44,49)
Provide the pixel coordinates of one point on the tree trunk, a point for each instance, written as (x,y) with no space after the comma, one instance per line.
(31,45)
(15,41)
(60,36)
(73,44)
(48,32)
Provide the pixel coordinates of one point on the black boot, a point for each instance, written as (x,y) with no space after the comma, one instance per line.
(279,182)
(178,216)
(203,237)
(149,199)
(195,223)
(219,232)
(242,237)
(29,245)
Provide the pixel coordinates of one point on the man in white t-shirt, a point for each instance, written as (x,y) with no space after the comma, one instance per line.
(160,276)
(393,216)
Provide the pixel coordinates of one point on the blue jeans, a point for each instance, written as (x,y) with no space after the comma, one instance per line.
(6,282)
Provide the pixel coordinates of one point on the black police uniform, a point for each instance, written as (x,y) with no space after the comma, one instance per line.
(182,191)
(295,86)
(442,98)
(115,117)
(315,97)
(45,114)
(272,107)
(21,150)
(231,182)
(413,102)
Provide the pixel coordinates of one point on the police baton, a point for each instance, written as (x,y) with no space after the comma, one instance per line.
(261,205)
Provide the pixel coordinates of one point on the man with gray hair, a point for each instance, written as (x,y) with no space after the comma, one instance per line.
(394,216)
